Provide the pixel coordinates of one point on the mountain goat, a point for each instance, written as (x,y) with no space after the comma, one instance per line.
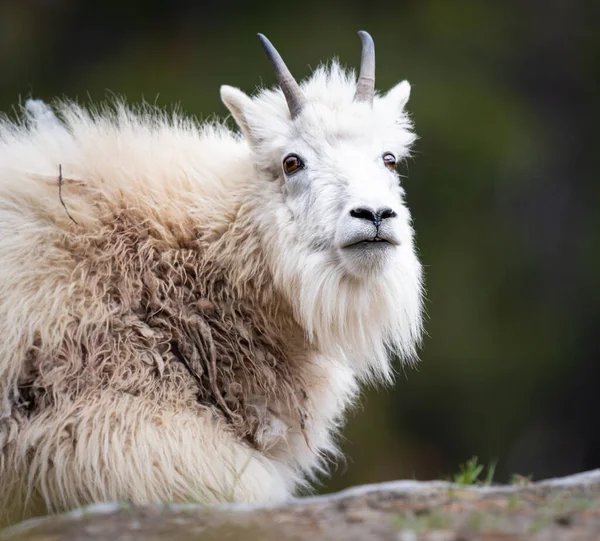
(186,312)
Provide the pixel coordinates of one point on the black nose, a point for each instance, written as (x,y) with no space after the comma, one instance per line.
(365,213)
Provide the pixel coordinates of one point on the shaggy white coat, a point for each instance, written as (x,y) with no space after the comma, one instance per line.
(197,334)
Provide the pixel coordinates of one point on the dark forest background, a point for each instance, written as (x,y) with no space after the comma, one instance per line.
(504,188)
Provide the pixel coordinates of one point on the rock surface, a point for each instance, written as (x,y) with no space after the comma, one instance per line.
(566,509)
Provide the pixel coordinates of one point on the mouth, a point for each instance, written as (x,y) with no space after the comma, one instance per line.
(372,242)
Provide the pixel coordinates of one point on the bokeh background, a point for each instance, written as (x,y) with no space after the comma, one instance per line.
(504,187)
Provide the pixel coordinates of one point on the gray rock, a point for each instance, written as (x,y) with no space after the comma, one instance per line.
(566,508)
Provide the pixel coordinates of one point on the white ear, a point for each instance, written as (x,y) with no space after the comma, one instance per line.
(397,97)
(239,105)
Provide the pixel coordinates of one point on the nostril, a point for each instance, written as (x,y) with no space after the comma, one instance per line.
(363,213)
(385,213)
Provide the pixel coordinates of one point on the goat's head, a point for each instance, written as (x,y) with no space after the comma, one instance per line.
(326,152)
(333,147)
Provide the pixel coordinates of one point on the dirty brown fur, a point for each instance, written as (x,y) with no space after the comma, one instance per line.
(177,321)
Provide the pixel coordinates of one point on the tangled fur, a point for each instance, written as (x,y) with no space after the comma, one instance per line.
(179,340)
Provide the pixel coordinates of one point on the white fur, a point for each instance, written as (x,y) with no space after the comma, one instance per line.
(339,301)
(354,309)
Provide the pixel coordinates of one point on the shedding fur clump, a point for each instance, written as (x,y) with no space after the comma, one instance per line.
(191,329)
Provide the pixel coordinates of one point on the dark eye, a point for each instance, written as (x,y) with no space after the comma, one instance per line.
(390,160)
(292,164)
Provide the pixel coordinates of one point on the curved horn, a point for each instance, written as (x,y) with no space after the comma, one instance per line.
(293,95)
(365,88)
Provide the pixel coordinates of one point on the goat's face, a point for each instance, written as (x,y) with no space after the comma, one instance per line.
(333,161)
(337,169)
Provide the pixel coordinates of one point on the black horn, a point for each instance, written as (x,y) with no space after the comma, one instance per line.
(291,90)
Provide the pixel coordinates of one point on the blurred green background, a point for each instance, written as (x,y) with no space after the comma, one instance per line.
(503,187)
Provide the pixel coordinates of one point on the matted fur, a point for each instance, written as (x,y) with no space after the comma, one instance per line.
(179,342)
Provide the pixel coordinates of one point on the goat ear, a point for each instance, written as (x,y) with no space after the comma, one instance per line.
(397,97)
(239,105)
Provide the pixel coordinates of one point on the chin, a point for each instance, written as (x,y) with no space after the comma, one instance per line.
(367,260)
